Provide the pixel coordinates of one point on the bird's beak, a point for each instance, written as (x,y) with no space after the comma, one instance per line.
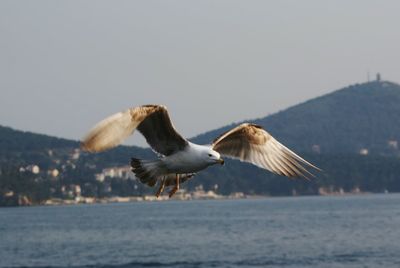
(221,161)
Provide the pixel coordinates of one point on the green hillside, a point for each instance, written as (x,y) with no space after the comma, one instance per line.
(15,140)
(20,151)
(22,148)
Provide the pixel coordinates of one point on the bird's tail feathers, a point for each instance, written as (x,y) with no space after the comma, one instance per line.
(147,171)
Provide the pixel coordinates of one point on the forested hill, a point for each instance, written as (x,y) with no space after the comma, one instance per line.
(345,121)
(22,148)
(352,134)
(16,140)
(361,116)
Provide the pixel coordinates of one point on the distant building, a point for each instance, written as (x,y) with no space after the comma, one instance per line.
(215,187)
(75,154)
(9,194)
(100,177)
(378,77)
(33,168)
(199,188)
(124,172)
(53,172)
(364,151)
(77,190)
(393,144)
(71,191)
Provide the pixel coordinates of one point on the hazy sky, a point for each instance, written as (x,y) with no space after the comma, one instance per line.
(64,65)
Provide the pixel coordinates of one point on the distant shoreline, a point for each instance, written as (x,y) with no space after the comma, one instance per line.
(151,198)
(180,196)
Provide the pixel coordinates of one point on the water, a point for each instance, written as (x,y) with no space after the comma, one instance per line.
(352,231)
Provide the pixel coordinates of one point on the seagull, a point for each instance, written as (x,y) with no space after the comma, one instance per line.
(179,159)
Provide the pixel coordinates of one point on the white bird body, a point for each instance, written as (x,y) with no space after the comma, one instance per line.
(179,158)
(192,159)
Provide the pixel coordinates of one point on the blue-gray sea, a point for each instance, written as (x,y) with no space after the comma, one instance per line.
(349,231)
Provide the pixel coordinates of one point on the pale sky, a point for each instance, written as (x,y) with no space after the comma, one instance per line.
(65,65)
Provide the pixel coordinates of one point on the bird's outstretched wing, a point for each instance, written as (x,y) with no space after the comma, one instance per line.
(251,143)
(151,120)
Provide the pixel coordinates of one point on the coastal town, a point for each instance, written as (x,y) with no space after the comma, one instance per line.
(182,194)
(117,184)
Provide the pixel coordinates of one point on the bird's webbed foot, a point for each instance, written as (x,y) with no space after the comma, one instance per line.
(173,180)
(179,178)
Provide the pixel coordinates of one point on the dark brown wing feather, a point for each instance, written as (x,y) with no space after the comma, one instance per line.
(159,132)
(251,143)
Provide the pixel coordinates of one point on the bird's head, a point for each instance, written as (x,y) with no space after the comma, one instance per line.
(213,157)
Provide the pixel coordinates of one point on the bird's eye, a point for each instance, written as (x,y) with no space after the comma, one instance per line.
(209,155)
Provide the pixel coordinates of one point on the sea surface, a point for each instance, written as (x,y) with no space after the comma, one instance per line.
(349,231)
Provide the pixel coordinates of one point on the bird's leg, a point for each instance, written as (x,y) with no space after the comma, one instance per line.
(161,189)
(176,188)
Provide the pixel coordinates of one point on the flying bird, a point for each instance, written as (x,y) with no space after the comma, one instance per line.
(179,159)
